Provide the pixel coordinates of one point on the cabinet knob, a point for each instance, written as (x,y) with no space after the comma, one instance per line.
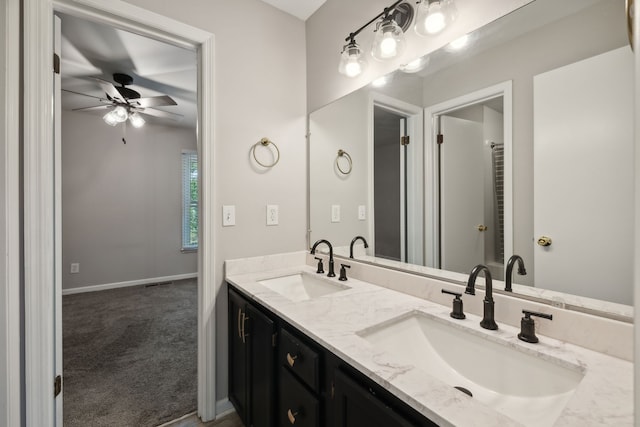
(291,360)
(292,416)
(482,227)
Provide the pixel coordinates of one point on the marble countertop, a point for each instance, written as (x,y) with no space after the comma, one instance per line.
(603,397)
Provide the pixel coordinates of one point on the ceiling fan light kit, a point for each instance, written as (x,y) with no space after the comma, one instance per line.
(125,103)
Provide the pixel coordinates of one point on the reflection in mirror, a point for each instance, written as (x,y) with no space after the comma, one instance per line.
(562,60)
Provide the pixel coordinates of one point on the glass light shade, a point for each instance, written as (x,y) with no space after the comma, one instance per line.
(389,40)
(136,120)
(434,15)
(352,63)
(120,114)
(110,119)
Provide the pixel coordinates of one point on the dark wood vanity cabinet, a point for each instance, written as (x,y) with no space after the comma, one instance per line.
(252,343)
(280,377)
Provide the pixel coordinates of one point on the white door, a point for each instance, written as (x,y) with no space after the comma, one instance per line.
(57,141)
(461,194)
(583,168)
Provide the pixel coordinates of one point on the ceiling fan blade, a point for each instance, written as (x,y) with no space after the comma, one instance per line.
(154,101)
(97,107)
(110,90)
(86,94)
(161,114)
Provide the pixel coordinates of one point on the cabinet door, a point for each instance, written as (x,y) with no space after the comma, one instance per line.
(261,338)
(357,406)
(297,406)
(238,351)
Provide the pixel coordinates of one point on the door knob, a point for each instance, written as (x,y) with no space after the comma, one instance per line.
(544,241)
(482,227)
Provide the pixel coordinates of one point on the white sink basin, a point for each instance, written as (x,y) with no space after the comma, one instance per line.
(531,390)
(302,286)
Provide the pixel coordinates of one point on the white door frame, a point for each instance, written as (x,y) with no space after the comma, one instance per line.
(431,176)
(39,202)
(10,330)
(413,114)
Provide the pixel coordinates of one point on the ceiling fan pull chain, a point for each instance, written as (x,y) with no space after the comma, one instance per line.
(124,132)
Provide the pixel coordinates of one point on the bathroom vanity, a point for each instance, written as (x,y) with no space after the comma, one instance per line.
(309,350)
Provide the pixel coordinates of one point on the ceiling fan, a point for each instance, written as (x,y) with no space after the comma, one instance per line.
(125,103)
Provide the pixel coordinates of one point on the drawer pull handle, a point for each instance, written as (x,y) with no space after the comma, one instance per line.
(292,416)
(291,360)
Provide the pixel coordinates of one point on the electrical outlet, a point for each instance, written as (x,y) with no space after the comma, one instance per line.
(335,213)
(272,215)
(228,215)
(75,267)
(362,213)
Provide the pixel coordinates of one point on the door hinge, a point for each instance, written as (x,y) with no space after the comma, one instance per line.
(274,339)
(440,138)
(404,140)
(56,63)
(57,386)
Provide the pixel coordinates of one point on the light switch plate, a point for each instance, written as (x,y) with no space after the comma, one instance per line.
(75,268)
(362,212)
(272,215)
(228,215)
(335,213)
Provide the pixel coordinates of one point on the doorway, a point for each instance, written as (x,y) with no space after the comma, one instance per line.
(468,213)
(43,292)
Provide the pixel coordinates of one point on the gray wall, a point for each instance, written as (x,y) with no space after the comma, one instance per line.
(122,203)
(3,238)
(260,90)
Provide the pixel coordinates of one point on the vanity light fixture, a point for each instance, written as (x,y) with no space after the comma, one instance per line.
(434,16)
(388,42)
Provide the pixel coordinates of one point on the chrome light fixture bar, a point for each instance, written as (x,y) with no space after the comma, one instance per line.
(389,41)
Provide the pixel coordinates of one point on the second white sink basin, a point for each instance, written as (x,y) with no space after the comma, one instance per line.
(526,388)
(302,286)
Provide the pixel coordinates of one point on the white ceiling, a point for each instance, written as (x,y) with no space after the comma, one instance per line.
(91,50)
(301,9)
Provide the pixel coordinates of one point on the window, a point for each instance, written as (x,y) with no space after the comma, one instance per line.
(189,200)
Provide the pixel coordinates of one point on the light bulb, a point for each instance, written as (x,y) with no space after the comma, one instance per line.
(434,15)
(435,21)
(389,40)
(136,120)
(352,63)
(110,119)
(120,114)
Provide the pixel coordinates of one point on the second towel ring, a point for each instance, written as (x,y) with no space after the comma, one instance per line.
(265,142)
(342,153)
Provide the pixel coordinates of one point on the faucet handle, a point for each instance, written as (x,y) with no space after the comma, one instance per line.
(320,266)
(343,272)
(457,312)
(528,326)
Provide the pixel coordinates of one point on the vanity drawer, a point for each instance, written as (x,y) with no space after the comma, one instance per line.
(300,359)
(297,406)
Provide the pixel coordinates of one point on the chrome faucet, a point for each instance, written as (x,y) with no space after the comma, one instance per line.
(331,272)
(366,245)
(488,321)
(521,271)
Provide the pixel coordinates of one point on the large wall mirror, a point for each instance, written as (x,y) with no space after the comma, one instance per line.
(518,142)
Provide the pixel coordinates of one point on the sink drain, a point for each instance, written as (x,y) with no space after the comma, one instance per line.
(464,390)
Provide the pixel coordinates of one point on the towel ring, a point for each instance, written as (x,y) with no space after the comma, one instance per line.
(342,153)
(265,142)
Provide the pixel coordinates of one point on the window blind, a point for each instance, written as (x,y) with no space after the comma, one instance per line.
(189,200)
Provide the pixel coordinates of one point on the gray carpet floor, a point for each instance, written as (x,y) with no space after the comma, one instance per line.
(130,355)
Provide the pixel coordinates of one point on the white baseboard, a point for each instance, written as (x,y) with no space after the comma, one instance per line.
(223,408)
(138,282)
